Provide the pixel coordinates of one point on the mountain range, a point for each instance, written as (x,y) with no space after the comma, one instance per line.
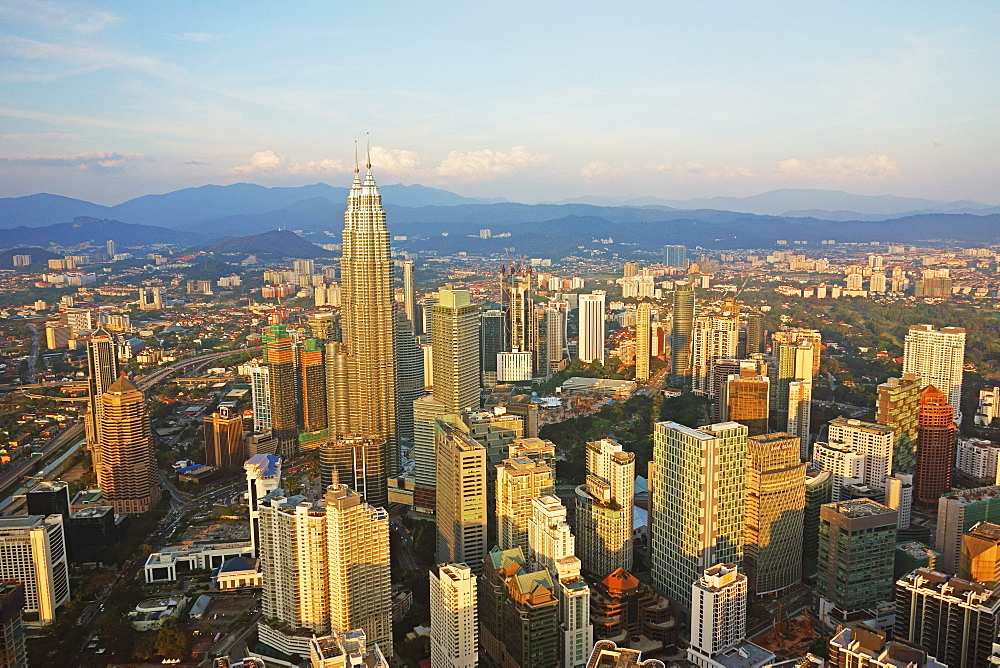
(433,219)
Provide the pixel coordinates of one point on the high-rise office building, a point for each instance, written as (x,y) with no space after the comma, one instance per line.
(856,551)
(354,461)
(980,559)
(794,336)
(675,256)
(33,551)
(552,352)
(518,612)
(127,470)
(312,384)
(279,356)
(518,481)
(697,483)
(322,326)
(754,334)
(409,294)
(936,441)
(714,336)
(591,327)
(863,645)
(791,387)
(897,406)
(604,508)
(368,319)
(775,509)
(454,617)
(800,413)
(516,279)
(224,439)
(456,350)
(643,322)
(937,356)
(551,547)
(875,441)
(426,411)
(102,372)
(954,619)
(460,497)
(12,600)
(744,397)
(819,487)
(680,334)
(957,513)
(409,375)
(492,340)
(263,477)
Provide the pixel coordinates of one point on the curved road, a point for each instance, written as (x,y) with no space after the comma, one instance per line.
(14,473)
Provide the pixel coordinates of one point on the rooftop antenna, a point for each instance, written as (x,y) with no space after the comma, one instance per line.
(369,150)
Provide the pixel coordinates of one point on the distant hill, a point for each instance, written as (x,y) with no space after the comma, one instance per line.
(804,201)
(94,230)
(45,209)
(271,244)
(190,206)
(39,258)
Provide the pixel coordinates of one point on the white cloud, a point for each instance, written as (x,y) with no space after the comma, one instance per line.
(394,161)
(197,37)
(269,162)
(58,14)
(482,164)
(845,167)
(603,170)
(686,168)
(938,143)
(95,161)
(86,58)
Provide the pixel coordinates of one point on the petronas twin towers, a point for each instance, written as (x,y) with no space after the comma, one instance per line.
(368,319)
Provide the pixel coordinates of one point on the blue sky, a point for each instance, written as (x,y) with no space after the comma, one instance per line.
(532,101)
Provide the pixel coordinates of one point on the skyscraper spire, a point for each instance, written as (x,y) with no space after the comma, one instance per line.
(356,170)
(369,150)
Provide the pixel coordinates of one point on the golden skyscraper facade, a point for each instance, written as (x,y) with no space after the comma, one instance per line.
(369,316)
(127,469)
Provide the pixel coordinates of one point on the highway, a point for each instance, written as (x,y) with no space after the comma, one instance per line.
(13,475)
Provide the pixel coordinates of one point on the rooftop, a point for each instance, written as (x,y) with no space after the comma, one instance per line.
(975,495)
(857,508)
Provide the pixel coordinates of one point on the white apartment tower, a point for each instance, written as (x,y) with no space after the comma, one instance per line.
(591,326)
(718,612)
(33,551)
(696,512)
(519,480)
(260,387)
(938,356)
(604,508)
(454,618)
(551,547)
(846,466)
(263,473)
(325,568)
(714,336)
(874,441)
(643,332)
